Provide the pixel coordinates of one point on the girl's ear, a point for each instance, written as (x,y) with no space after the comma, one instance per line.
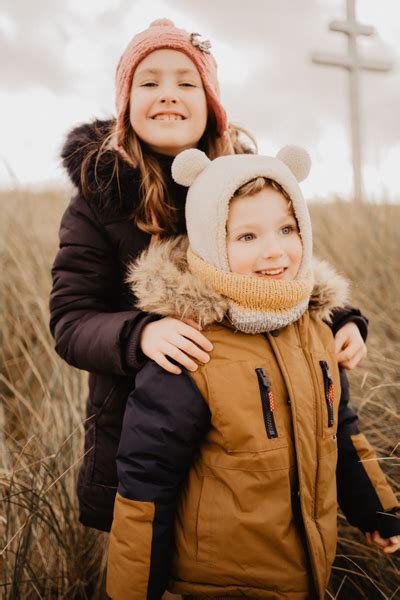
(187,165)
(297,159)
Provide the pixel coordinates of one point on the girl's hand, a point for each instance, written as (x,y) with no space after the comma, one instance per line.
(175,339)
(387,545)
(350,347)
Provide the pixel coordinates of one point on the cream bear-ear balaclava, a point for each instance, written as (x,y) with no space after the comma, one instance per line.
(255,304)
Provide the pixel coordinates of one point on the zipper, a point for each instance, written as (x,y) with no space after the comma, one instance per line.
(329,390)
(308,547)
(267,403)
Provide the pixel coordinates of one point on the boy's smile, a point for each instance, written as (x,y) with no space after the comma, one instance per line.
(263,239)
(272,273)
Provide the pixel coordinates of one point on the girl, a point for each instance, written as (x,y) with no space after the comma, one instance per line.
(167,98)
(261,423)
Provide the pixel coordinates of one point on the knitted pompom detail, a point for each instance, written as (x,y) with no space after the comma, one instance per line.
(297,159)
(162,23)
(188,165)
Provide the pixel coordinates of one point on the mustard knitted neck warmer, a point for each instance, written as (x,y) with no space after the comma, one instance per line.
(255,304)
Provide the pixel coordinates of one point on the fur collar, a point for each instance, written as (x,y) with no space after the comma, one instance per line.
(162,284)
(114,185)
(79,142)
(111,181)
(89,138)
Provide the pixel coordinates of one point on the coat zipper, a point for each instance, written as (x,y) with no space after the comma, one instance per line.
(267,403)
(329,390)
(297,491)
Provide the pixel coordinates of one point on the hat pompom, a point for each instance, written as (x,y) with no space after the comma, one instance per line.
(162,23)
(188,165)
(297,159)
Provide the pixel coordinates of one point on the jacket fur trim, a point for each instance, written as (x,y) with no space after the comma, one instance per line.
(163,285)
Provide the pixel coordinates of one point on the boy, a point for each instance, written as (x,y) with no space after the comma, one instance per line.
(259,429)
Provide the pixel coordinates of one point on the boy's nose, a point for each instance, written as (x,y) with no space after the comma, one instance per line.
(272,249)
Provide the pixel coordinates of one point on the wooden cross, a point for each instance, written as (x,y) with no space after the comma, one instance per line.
(354,64)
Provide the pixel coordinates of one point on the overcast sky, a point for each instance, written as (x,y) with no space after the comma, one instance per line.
(58,60)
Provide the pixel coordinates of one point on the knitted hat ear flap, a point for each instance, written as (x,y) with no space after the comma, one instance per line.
(297,159)
(188,165)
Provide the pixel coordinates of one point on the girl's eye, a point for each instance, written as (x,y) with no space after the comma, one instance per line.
(187,84)
(149,84)
(247,237)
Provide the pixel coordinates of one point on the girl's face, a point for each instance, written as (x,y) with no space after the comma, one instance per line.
(168,105)
(262,236)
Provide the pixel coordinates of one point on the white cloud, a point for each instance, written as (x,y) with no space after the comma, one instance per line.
(61,58)
(30,145)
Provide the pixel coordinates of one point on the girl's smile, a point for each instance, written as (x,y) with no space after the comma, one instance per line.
(165,116)
(168,106)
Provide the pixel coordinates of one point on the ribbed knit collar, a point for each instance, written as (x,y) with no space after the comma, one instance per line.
(255,305)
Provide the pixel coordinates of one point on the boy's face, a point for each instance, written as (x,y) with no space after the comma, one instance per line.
(262,236)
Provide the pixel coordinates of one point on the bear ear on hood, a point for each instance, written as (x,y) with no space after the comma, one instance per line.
(297,159)
(188,165)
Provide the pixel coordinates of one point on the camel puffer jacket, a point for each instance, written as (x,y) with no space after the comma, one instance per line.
(255,432)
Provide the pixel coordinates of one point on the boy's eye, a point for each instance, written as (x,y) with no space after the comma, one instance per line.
(247,237)
(288,229)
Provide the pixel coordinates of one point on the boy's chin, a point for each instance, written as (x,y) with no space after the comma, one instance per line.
(286,276)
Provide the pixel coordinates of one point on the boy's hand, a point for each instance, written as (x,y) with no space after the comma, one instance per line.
(387,545)
(349,345)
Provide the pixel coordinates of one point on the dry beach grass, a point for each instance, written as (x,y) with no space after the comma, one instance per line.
(44,552)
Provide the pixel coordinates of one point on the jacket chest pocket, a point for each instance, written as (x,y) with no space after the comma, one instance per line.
(328,393)
(247,405)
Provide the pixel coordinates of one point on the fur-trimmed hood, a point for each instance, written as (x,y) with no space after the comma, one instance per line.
(163,285)
(113,184)
(84,139)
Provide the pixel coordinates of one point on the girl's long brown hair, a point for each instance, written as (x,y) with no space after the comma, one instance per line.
(156,213)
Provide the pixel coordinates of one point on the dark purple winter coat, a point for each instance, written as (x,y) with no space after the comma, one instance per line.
(93,321)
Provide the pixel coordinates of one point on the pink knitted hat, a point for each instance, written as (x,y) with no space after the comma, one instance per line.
(163,34)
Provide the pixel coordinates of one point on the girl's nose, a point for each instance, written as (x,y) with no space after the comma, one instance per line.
(168,95)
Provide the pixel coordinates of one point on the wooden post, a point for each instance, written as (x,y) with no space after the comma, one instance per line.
(354,64)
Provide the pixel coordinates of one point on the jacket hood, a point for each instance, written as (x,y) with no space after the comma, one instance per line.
(163,285)
(82,140)
(113,185)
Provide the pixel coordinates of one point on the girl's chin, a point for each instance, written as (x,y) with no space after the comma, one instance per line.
(162,147)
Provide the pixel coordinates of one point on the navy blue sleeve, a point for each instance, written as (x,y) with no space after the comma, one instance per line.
(348,314)
(364,495)
(165,419)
